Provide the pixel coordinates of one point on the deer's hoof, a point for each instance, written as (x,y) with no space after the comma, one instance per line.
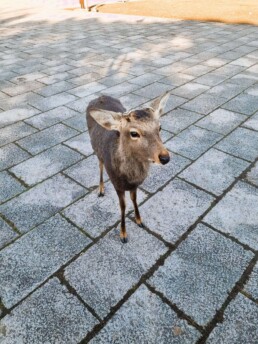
(101,194)
(141,225)
(124,240)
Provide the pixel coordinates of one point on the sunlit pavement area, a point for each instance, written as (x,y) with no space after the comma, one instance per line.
(190,276)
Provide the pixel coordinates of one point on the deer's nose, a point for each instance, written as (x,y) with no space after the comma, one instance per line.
(164,159)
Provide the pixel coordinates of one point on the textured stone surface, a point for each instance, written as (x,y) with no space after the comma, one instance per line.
(252,123)
(6,234)
(133,317)
(15,132)
(242,143)
(11,155)
(252,286)
(190,90)
(204,104)
(46,164)
(42,201)
(50,315)
(179,119)
(119,267)
(252,176)
(47,247)
(227,217)
(15,115)
(214,171)
(52,101)
(95,214)
(9,187)
(81,143)
(244,103)
(171,211)
(199,274)
(193,141)
(77,122)
(240,323)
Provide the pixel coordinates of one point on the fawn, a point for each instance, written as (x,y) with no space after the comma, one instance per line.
(126,143)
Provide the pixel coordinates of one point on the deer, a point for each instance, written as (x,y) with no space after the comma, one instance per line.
(126,144)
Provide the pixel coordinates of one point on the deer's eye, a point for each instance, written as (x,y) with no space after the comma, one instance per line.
(134,134)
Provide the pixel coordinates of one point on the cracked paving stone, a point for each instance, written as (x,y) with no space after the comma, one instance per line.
(46,164)
(119,267)
(214,171)
(240,323)
(242,143)
(40,202)
(159,175)
(198,276)
(236,214)
(31,259)
(133,319)
(95,214)
(9,187)
(252,286)
(177,120)
(193,141)
(81,143)
(11,155)
(50,315)
(252,176)
(171,211)
(6,234)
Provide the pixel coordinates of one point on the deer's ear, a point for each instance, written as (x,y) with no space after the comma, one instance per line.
(107,119)
(158,105)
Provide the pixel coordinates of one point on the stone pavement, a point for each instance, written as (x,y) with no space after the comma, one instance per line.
(191,275)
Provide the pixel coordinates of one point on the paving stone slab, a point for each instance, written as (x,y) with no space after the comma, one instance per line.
(6,234)
(227,217)
(252,176)
(52,101)
(153,90)
(204,104)
(146,79)
(15,132)
(214,171)
(190,90)
(131,101)
(198,276)
(240,323)
(15,90)
(211,79)
(47,248)
(177,79)
(77,122)
(46,119)
(221,121)
(252,286)
(50,315)
(86,90)
(81,143)
(133,319)
(11,116)
(11,155)
(9,187)
(95,214)
(193,141)
(179,119)
(47,138)
(172,218)
(242,143)
(243,103)
(56,88)
(165,135)
(42,201)
(252,122)
(253,91)
(226,90)
(159,175)
(46,164)
(120,267)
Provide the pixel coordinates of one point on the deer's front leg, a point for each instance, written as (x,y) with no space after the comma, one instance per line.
(138,219)
(123,234)
(101,182)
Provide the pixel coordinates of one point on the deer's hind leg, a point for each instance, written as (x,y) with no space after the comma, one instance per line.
(101,182)
(123,234)
(138,219)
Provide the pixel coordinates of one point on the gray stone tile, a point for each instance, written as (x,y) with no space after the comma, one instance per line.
(221,121)
(50,315)
(49,80)
(177,79)
(15,90)
(56,88)
(214,171)
(95,214)
(46,119)
(21,101)
(40,202)
(47,248)
(86,172)
(127,263)
(132,101)
(53,101)
(198,276)
(9,186)
(226,90)
(204,104)
(227,217)
(192,142)
(81,143)
(252,122)
(198,70)
(113,79)
(77,122)
(153,90)
(184,207)
(47,138)
(46,164)
(159,175)
(11,116)
(244,103)
(15,132)
(190,90)
(133,319)
(211,79)
(86,90)
(252,286)
(179,119)
(242,143)
(165,135)
(6,234)
(80,105)
(252,176)
(253,91)
(11,155)
(146,79)
(240,323)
